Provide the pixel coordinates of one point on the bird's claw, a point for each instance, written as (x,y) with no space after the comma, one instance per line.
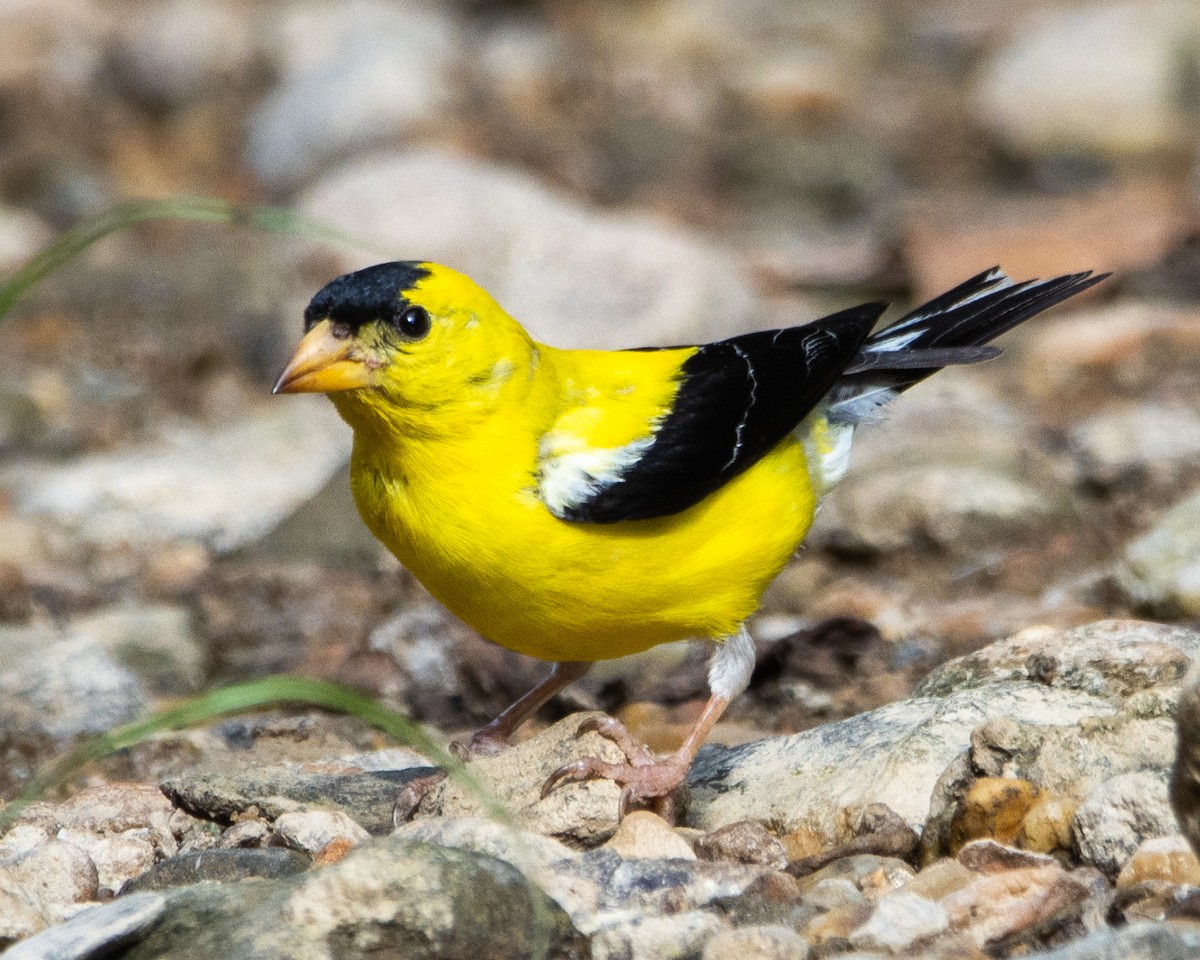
(411,796)
(643,778)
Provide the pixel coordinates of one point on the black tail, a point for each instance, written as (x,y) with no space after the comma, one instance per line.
(951,329)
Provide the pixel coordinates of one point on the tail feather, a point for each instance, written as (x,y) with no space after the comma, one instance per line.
(951,329)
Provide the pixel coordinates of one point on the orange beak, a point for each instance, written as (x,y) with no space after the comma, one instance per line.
(323,363)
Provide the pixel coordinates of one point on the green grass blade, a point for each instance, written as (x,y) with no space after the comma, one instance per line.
(239,698)
(123,215)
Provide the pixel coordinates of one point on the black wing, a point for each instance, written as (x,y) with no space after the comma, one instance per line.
(737,399)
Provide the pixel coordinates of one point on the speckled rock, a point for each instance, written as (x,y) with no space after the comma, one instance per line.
(645,834)
(1161,858)
(766,942)
(582,813)
(673,937)
(1119,815)
(389,894)
(44,886)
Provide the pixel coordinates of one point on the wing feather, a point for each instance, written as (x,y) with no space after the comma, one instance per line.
(735,400)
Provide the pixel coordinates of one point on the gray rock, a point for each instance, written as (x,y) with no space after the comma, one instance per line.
(387,897)
(985,490)
(1161,569)
(226,486)
(95,933)
(182,52)
(220,866)
(1096,78)
(899,922)
(672,937)
(325,529)
(314,830)
(59,684)
(44,886)
(547,259)
(1141,941)
(764,942)
(157,642)
(1118,815)
(1102,710)
(220,794)
(354,75)
(1146,442)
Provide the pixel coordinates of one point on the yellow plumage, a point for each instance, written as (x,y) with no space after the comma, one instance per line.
(578,505)
(452,492)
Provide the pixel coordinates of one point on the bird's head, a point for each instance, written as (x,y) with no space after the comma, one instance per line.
(404,339)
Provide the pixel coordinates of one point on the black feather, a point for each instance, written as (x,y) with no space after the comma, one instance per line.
(736,400)
(367,295)
(950,329)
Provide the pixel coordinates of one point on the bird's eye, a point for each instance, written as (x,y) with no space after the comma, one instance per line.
(413,323)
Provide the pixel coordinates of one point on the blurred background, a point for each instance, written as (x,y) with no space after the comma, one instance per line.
(617,173)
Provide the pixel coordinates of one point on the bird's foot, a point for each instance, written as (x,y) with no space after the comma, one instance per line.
(643,778)
(483,743)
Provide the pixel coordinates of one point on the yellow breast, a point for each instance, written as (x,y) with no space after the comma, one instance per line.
(462,513)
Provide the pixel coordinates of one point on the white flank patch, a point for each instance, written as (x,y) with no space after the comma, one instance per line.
(573,476)
(731,665)
(833,460)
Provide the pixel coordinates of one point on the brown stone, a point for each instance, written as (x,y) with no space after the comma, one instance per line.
(993,807)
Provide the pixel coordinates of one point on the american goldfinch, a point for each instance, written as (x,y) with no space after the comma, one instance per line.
(579,505)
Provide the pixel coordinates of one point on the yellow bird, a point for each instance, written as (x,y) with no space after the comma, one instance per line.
(579,505)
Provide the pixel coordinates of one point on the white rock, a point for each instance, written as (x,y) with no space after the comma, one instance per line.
(1123,443)
(355,75)
(574,277)
(1119,815)
(663,938)
(1161,569)
(313,830)
(226,486)
(1100,76)
(898,922)
(184,51)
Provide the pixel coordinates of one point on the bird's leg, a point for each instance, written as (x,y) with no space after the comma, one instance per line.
(490,739)
(643,777)
(493,738)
